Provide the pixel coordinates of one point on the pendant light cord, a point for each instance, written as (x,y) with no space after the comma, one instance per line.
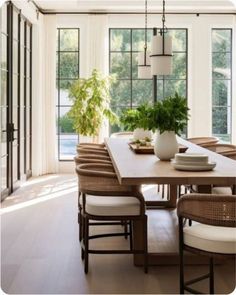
(145,46)
(145,32)
(163,28)
(163,17)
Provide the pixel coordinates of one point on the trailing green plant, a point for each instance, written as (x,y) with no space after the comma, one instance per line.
(91,103)
(170,114)
(136,118)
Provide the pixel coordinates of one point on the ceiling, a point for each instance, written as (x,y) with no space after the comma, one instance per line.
(136,5)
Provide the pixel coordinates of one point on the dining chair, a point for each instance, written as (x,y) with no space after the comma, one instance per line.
(104,199)
(85,159)
(92,145)
(214,234)
(203,141)
(89,150)
(220,148)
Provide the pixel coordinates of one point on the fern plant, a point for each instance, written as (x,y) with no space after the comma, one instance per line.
(136,118)
(170,114)
(91,103)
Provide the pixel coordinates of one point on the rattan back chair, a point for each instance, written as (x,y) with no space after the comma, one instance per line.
(203,141)
(91,145)
(221,148)
(214,235)
(90,150)
(104,199)
(85,159)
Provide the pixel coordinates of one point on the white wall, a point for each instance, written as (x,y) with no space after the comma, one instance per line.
(199,60)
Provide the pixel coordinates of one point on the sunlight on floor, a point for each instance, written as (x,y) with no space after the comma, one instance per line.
(38,190)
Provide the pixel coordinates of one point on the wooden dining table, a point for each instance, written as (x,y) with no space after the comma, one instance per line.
(139,169)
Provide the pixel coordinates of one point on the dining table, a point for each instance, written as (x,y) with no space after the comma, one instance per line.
(139,169)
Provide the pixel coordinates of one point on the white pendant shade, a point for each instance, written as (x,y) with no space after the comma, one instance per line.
(144,67)
(161,64)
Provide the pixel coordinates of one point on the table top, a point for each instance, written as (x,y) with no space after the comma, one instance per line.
(135,169)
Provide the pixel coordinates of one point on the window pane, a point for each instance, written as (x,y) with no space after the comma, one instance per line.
(138,39)
(65,124)
(69,40)
(69,65)
(178,39)
(160,89)
(3,173)
(178,66)
(142,92)
(120,40)
(221,65)
(172,86)
(221,91)
(15,24)
(120,65)
(220,120)
(115,127)
(121,93)
(67,146)
(64,92)
(221,40)
(4,18)
(3,88)
(221,83)
(4,51)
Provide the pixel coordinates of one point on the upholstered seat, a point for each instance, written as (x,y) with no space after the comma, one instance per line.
(112,206)
(211,238)
(222,190)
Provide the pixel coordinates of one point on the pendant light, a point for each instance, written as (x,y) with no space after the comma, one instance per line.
(161,51)
(144,66)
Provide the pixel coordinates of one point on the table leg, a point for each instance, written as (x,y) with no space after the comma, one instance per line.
(138,241)
(204,189)
(171,203)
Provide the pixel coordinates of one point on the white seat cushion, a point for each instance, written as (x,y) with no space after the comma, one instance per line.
(210,238)
(112,206)
(220,190)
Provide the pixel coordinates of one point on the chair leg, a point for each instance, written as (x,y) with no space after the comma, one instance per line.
(80,218)
(131,235)
(126,229)
(211,271)
(145,245)
(82,236)
(181,257)
(86,244)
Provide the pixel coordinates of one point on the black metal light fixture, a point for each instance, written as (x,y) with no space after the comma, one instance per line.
(144,66)
(161,50)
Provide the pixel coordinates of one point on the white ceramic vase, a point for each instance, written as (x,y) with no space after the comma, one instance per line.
(166,145)
(140,133)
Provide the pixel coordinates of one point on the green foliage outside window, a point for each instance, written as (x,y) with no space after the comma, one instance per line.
(221,83)
(129,91)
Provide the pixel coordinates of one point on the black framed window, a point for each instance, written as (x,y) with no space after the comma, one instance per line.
(67,73)
(129,91)
(222,83)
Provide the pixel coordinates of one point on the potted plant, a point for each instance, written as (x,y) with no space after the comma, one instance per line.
(137,120)
(169,117)
(91,100)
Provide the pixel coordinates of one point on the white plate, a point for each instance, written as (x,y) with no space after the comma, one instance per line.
(183,158)
(205,167)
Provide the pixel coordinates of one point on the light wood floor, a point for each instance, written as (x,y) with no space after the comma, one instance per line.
(40,253)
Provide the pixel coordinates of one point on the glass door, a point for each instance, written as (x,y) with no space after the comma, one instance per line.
(16,98)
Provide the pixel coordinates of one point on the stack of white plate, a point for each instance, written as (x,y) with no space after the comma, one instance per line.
(192,162)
